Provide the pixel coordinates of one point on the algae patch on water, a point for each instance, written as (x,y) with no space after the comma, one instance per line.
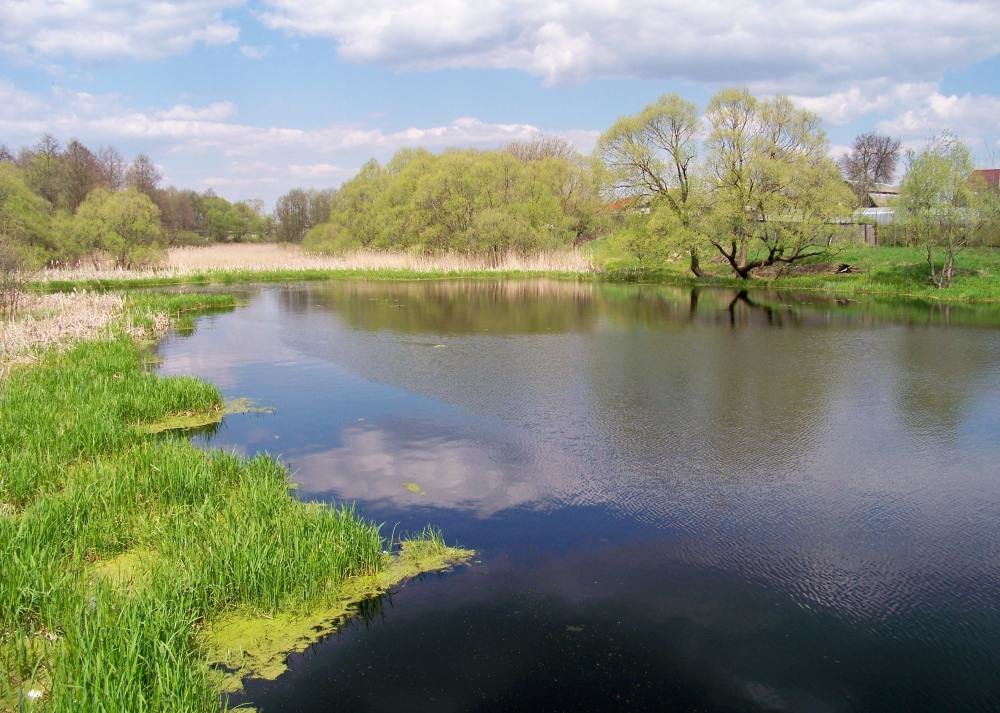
(190,420)
(241,644)
(414,488)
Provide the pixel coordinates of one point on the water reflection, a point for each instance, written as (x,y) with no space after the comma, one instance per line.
(375,464)
(706,499)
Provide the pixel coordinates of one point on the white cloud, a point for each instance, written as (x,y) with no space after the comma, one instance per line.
(216,111)
(251,52)
(98,30)
(974,118)
(797,44)
(315,170)
(240,159)
(880,97)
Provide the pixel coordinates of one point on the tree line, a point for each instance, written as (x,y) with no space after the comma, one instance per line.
(747,183)
(63,204)
(526,197)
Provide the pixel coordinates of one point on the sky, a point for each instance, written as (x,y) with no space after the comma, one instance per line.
(252,98)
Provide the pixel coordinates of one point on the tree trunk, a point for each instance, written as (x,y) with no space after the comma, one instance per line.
(696,263)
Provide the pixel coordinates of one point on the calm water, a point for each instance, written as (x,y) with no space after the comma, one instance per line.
(680,502)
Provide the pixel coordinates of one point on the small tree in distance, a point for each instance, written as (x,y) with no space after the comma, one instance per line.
(872,159)
(936,197)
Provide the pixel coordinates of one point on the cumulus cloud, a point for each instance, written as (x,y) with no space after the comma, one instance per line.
(216,111)
(244,159)
(252,52)
(793,43)
(880,97)
(95,30)
(974,118)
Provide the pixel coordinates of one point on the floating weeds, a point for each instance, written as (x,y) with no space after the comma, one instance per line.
(190,420)
(414,488)
(241,644)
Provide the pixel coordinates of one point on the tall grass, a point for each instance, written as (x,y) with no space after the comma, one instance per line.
(198,533)
(190,262)
(885,271)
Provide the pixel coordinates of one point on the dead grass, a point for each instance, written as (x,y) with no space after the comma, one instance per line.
(269,256)
(56,320)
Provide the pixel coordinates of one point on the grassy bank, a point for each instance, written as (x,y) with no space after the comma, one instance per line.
(883,271)
(122,548)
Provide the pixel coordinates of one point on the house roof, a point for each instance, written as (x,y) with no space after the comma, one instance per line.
(990,175)
(882,199)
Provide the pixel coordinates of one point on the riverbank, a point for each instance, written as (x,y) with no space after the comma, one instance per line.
(883,271)
(122,548)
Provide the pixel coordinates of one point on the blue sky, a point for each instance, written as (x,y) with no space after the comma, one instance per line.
(253,98)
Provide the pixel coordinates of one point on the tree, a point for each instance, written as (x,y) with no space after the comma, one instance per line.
(143,175)
(872,159)
(111,167)
(937,198)
(773,190)
(482,202)
(541,147)
(24,218)
(41,168)
(124,225)
(5,154)
(651,156)
(79,174)
(293,216)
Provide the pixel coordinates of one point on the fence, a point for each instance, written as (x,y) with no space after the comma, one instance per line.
(902,235)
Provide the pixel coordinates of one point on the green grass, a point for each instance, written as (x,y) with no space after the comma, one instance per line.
(231,277)
(881,271)
(201,534)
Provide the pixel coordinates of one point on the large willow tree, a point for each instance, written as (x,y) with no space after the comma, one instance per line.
(650,160)
(773,189)
(764,192)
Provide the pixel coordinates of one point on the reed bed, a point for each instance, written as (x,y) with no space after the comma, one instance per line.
(55,320)
(269,257)
(118,545)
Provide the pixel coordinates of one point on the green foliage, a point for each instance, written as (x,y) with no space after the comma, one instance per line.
(233,222)
(937,197)
(124,225)
(116,545)
(477,202)
(24,217)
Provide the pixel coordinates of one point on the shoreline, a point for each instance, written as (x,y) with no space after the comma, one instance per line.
(851,286)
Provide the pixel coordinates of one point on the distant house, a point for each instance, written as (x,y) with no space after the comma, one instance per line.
(882,195)
(878,205)
(990,175)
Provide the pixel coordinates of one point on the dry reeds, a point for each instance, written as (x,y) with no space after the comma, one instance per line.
(45,321)
(265,257)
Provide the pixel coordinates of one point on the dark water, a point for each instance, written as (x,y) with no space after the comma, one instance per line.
(681,502)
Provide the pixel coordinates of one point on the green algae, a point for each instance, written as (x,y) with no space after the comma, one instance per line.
(130,569)
(184,421)
(414,488)
(190,420)
(246,644)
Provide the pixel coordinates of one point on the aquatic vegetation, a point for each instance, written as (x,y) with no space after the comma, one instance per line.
(118,545)
(414,488)
(190,420)
(246,644)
